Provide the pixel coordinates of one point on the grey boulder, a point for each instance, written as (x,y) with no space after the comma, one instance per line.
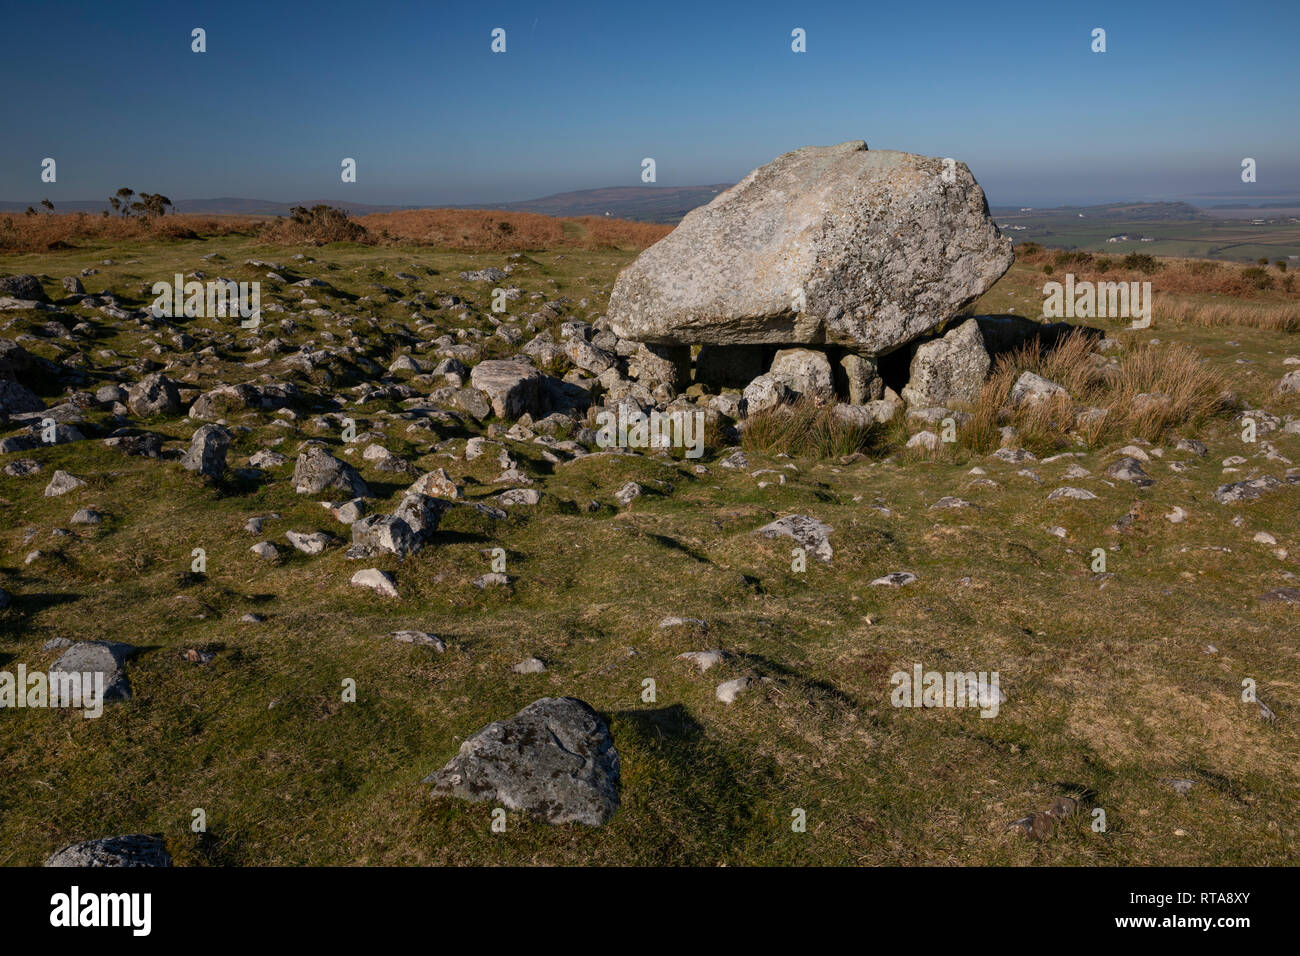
(808,532)
(513,388)
(555,758)
(948,370)
(132,850)
(317,470)
(207,452)
(154,394)
(26,287)
(98,657)
(16,398)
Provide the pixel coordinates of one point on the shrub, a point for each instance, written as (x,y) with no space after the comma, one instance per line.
(317,225)
(1257,278)
(1073,258)
(1141,262)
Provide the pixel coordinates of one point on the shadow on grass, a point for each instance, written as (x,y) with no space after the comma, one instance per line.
(703,796)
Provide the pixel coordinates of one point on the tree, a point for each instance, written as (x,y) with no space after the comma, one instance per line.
(48,205)
(155,204)
(30,211)
(124,200)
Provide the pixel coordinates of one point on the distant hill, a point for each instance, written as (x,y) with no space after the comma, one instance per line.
(225,206)
(659,204)
(1120,211)
(662,204)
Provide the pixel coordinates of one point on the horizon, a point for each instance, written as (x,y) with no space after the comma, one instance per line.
(434,118)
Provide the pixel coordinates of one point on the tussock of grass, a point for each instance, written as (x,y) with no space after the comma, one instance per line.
(806,429)
(1192,393)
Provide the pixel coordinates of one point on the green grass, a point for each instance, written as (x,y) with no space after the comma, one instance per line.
(1110,689)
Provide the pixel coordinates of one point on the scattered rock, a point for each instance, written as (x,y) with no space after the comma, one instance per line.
(555,759)
(98,657)
(207,452)
(809,533)
(728,691)
(378,581)
(1246,490)
(317,470)
(895,579)
(132,850)
(703,660)
(419,639)
(62,483)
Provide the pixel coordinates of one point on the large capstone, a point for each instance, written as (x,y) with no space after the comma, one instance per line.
(555,758)
(826,245)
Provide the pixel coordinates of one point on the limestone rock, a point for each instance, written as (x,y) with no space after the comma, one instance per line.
(826,244)
(317,470)
(807,532)
(132,850)
(555,759)
(154,394)
(513,388)
(207,452)
(949,369)
(804,372)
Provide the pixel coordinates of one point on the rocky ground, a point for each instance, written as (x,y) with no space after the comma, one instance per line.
(331,558)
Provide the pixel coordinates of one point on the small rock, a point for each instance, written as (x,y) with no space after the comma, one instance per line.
(728,691)
(378,581)
(62,483)
(420,639)
(703,660)
(895,579)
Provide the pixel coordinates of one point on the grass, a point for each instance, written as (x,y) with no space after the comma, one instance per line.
(1111,690)
(807,429)
(1189,393)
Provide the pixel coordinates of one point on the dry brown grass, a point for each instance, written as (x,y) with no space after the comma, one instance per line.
(1193,393)
(42,233)
(1270,316)
(806,429)
(497,230)
(488,230)
(1170,275)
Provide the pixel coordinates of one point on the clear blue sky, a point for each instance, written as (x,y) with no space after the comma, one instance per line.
(585,90)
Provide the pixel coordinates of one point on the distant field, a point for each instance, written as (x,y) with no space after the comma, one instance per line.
(1231,239)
